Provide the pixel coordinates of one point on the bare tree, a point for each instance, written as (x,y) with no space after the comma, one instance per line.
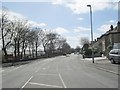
(24,41)
(44,40)
(20,30)
(37,38)
(59,41)
(31,42)
(6,30)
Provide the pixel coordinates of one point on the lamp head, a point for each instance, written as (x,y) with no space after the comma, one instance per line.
(88,5)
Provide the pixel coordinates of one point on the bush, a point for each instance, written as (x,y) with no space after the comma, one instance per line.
(88,52)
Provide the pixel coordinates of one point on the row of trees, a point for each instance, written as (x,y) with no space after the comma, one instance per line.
(21,37)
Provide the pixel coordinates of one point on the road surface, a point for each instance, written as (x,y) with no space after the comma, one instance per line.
(58,72)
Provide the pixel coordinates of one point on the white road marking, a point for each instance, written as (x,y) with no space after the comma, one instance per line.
(11,69)
(45,85)
(61,76)
(107,70)
(62,81)
(44,68)
(48,60)
(26,82)
(41,67)
(47,74)
(18,67)
(2,71)
(37,70)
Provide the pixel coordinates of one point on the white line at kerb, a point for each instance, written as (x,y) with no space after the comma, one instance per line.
(26,82)
(108,71)
(62,81)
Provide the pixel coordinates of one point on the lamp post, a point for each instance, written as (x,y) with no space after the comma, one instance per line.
(91,32)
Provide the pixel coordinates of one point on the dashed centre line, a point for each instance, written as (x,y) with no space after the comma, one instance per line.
(26,82)
(45,85)
(62,81)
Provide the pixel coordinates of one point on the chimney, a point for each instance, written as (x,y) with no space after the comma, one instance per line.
(118,26)
(95,40)
(111,27)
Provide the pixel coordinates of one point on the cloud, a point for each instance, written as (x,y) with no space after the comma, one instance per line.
(80,19)
(46,0)
(80,6)
(104,28)
(60,30)
(74,40)
(17,16)
(36,24)
(13,15)
(111,21)
(56,2)
(81,29)
(73,36)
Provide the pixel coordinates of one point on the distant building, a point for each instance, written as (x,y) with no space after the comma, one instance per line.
(107,41)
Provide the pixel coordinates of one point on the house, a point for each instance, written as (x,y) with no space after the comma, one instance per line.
(106,41)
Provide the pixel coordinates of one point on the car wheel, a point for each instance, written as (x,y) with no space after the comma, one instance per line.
(112,61)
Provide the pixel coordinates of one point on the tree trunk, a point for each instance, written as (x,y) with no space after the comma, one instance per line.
(46,54)
(15,51)
(44,49)
(22,56)
(29,52)
(33,51)
(18,50)
(3,48)
(24,52)
(36,49)
(5,54)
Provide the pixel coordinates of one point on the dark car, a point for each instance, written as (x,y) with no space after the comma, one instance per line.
(64,54)
(114,56)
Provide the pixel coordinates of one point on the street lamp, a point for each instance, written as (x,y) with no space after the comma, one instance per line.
(91,32)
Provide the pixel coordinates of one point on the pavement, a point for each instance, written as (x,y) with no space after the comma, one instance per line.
(17,63)
(59,72)
(104,64)
(96,58)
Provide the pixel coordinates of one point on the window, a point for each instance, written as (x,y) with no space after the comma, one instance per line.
(112,52)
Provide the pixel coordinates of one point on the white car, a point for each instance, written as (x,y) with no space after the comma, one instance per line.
(114,56)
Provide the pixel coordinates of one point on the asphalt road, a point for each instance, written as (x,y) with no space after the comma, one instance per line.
(58,72)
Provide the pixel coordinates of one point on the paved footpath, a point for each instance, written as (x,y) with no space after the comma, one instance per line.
(103,63)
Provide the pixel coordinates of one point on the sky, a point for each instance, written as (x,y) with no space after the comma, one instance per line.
(70,18)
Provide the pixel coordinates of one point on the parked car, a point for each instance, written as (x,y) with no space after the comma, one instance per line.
(114,56)
(64,54)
